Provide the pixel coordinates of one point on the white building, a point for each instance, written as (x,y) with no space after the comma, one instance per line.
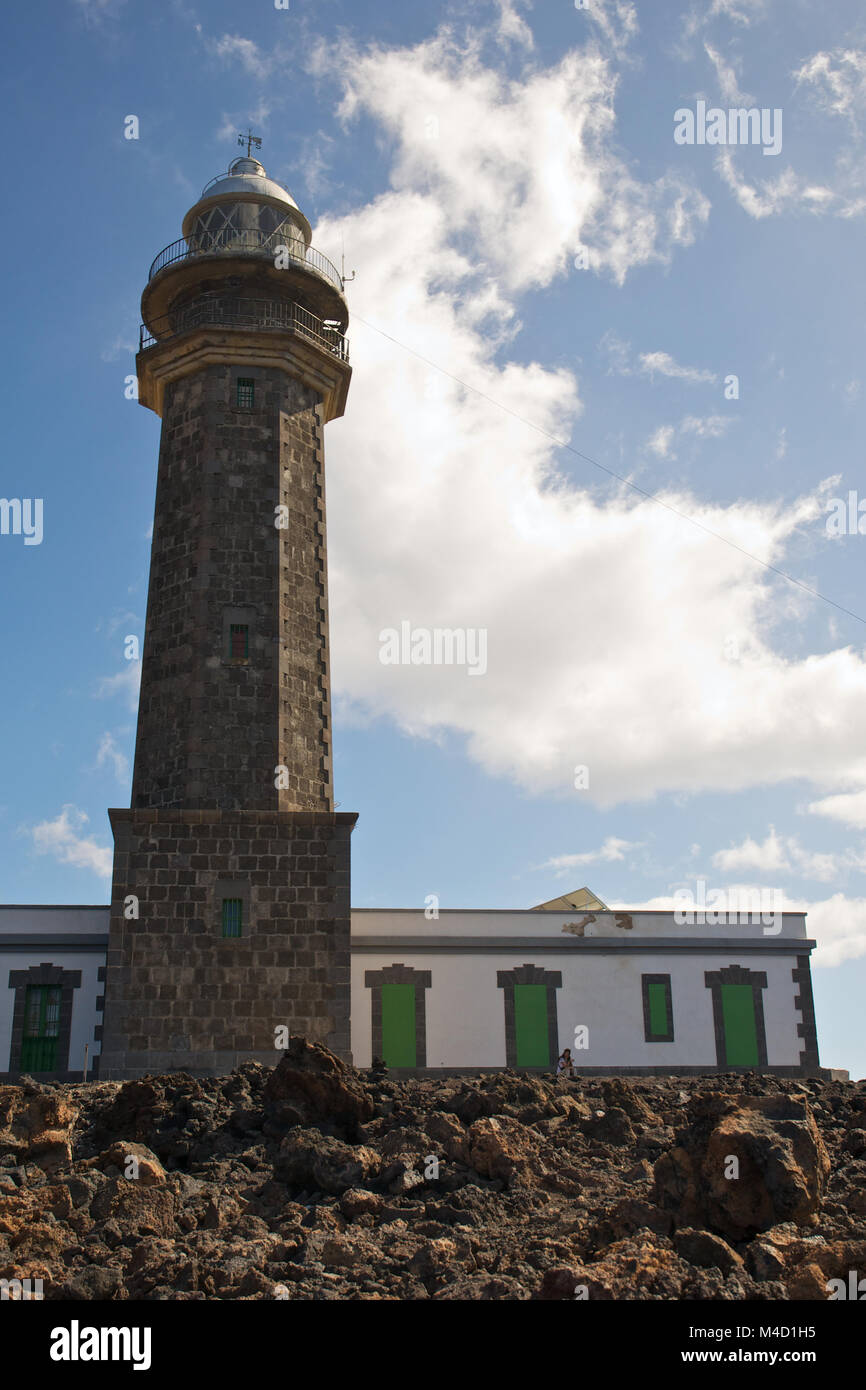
(631,992)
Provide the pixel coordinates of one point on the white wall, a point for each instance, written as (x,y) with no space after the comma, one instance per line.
(56,923)
(466,1009)
(84,1015)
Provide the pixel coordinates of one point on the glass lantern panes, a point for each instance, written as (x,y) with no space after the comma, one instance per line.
(245,227)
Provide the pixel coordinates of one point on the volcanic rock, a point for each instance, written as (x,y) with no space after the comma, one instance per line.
(314,1181)
(744,1165)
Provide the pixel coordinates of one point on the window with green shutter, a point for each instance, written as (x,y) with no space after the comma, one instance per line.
(658,1013)
(233,911)
(246,393)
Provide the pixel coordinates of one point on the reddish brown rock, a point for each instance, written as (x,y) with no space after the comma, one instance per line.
(135,1162)
(707,1251)
(311,1084)
(530,1201)
(37,1126)
(502,1148)
(358,1201)
(744,1166)
(308,1158)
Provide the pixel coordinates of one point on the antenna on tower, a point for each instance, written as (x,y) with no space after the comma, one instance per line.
(346,279)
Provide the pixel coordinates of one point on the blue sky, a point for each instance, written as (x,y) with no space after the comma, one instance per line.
(466,158)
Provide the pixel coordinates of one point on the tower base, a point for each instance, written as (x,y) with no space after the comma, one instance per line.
(182,996)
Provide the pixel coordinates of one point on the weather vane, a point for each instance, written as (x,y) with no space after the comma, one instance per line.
(249,140)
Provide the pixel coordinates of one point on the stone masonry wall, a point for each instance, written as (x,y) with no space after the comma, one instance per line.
(179,995)
(212,729)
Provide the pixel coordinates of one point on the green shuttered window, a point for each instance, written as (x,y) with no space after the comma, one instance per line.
(530,1024)
(233,912)
(658,1010)
(658,1014)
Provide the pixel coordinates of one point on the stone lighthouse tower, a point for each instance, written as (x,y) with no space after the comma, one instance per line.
(230,895)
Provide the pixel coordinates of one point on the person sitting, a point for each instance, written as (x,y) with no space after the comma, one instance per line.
(565,1066)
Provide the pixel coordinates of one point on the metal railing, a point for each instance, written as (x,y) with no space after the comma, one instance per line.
(228,311)
(248,242)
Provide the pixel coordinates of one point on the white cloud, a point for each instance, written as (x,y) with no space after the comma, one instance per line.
(661,440)
(702,16)
(512,27)
(837,80)
(612,851)
(314,160)
(838,924)
(61,839)
(780,193)
(119,618)
(123,346)
(707,426)
(108,752)
(791,192)
(125,683)
(784,854)
(94,12)
(616,21)
(497,541)
(234,48)
(770,856)
(446,510)
(741,11)
(728,78)
(664,364)
(651,364)
(527,168)
(618,352)
(702,427)
(847,807)
(837,83)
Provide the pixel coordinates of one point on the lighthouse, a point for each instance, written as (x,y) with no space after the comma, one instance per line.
(230,904)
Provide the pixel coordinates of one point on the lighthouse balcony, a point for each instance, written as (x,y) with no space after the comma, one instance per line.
(229,311)
(282,249)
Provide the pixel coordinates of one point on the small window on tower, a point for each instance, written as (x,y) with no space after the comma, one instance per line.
(239,641)
(246,393)
(233,912)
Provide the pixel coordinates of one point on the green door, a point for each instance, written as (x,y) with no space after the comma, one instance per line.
(41,1028)
(530,1023)
(741,1037)
(398,1025)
